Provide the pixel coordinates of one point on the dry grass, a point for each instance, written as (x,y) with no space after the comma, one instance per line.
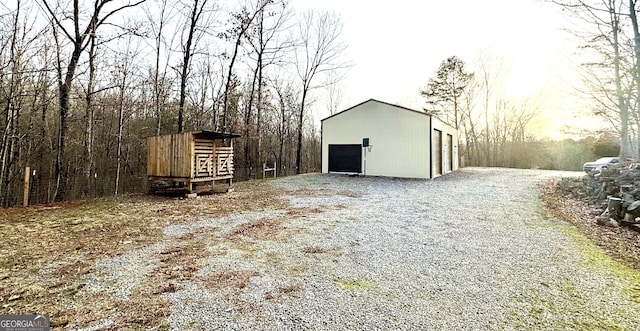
(335,250)
(264,229)
(350,194)
(180,262)
(47,251)
(322,193)
(233,280)
(310,193)
(281,291)
(305,211)
(272,228)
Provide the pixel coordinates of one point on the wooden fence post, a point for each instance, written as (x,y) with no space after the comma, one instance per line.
(25,194)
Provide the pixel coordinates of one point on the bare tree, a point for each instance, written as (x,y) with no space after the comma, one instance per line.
(333,94)
(490,72)
(195,15)
(470,120)
(607,38)
(320,52)
(89,115)
(636,66)
(287,104)
(157,23)
(124,70)
(11,107)
(269,47)
(78,37)
(240,24)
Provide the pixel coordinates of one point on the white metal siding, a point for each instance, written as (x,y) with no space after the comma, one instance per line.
(400,139)
(447,130)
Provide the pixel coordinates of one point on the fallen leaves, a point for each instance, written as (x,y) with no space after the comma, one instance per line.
(620,243)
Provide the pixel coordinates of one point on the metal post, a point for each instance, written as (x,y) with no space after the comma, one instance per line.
(365,162)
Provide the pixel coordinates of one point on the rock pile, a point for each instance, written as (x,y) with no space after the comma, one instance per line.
(618,189)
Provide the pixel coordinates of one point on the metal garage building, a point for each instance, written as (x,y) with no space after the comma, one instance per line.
(402,142)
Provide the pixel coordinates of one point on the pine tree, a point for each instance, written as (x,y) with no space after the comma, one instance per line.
(443,92)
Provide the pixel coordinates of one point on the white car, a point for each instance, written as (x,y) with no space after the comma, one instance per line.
(600,163)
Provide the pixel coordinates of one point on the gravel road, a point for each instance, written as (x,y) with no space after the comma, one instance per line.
(473,249)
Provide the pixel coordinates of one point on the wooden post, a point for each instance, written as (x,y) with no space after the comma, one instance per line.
(264,170)
(275,169)
(25,195)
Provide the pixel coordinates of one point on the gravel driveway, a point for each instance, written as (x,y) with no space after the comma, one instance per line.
(473,249)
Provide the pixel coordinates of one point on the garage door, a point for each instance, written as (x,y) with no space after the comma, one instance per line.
(437,152)
(449,152)
(345,158)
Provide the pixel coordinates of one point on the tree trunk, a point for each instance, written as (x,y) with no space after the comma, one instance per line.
(88,133)
(12,114)
(636,48)
(120,128)
(625,149)
(241,30)
(156,75)
(300,127)
(487,138)
(62,175)
(259,113)
(227,87)
(195,14)
(247,122)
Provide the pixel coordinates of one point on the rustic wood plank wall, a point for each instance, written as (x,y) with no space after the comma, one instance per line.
(159,154)
(181,160)
(187,156)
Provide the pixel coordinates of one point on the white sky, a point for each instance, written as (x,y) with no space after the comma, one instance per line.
(397,46)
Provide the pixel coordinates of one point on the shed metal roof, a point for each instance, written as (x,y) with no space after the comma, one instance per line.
(207,134)
(214,134)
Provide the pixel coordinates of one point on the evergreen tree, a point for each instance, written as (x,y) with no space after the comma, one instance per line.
(443,91)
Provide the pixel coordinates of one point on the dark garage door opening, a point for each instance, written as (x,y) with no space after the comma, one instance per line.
(345,158)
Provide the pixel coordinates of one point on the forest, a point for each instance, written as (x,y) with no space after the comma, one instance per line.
(83,84)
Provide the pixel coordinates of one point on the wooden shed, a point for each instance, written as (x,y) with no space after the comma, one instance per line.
(191,157)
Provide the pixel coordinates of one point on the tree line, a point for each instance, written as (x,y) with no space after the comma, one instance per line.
(83,84)
(610,69)
(493,130)
(496,131)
